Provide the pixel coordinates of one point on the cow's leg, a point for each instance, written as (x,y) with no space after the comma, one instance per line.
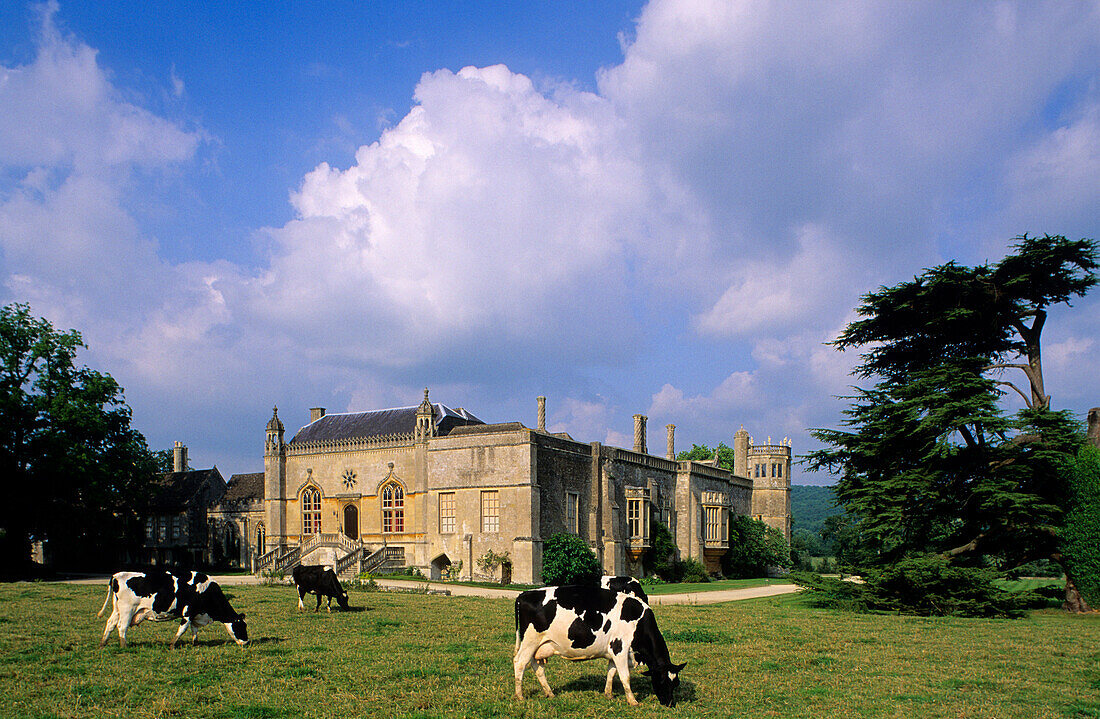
(112,622)
(301,596)
(610,677)
(125,618)
(622,664)
(543,653)
(329,605)
(524,657)
(318,607)
(185,624)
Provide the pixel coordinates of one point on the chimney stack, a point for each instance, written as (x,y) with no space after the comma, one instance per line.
(316,413)
(671,452)
(179,457)
(1094,426)
(639,433)
(542,414)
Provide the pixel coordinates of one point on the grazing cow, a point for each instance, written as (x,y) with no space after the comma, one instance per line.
(579,623)
(626,585)
(322,581)
(191,597)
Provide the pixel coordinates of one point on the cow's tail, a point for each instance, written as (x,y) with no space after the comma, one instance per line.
(516,650)
(110,593)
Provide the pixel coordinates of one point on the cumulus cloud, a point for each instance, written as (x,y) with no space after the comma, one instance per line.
(714,211)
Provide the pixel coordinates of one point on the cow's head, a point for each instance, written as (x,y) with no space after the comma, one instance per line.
(342,600)
(239,630)
(665,680)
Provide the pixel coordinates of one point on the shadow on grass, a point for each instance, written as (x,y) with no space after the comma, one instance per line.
(639,683)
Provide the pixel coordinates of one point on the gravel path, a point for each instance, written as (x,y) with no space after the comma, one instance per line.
(458,590)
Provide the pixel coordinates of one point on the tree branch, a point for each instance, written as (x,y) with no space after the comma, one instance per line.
(968,547)
(1018,390)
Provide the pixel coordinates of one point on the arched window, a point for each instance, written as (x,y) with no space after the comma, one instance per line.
(393,508)
(311,511)
(261,539)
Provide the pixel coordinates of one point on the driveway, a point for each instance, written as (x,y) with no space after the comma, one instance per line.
(460,590)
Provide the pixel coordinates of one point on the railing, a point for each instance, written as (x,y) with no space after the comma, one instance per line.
(348,560)
(329,539)
(282,559)
(278,559)
(384,558)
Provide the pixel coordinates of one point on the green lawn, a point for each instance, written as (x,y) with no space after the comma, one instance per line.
(412,655)
(713,586)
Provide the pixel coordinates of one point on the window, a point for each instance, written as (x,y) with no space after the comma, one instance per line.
(572,507)
(447,512)
(490,511)
(261,538)
(162,528)
(638,511)
(779,470)
(150,529)
(712,523)
(311,511)
(393,508)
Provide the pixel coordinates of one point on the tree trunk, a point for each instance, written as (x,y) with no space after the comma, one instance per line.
(1074,601)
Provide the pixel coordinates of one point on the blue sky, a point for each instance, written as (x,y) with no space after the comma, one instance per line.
(666,207)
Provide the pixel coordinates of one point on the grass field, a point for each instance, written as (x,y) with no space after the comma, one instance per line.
(411,655)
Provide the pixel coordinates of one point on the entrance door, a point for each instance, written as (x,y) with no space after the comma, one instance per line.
(351,521)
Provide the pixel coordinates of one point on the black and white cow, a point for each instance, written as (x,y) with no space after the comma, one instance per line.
(191,597)
(322,581)
(581,622)
(626,585)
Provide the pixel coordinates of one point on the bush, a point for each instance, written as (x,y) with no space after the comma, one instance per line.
(684,570)
(1081,535)
(662,550)
(754,546)
(927,586)
(566,559)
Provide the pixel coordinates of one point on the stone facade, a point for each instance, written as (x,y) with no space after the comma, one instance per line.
(441,490)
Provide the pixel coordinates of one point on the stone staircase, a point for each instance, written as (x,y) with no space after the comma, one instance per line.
(352,556)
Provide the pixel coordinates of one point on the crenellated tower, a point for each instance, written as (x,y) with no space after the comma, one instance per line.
(769,468)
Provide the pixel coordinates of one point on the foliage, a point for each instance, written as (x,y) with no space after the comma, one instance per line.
(929,585)
(662,549)
(72,470)
(754,546)
(566,559)
(1080,545)
(928,461)
(453,571)
(703,453)
(810,507)
(489,562)
(684,570)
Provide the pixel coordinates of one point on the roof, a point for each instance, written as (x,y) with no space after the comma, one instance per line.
(379,423)
(174,491)
(244,488)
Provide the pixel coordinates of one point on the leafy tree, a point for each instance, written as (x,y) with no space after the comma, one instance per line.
(930,462)
(703,453)
(754,546)
(72,470)
(566,559)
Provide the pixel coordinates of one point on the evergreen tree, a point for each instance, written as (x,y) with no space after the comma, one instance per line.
(930,462)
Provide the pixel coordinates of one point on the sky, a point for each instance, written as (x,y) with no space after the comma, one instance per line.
(665,208)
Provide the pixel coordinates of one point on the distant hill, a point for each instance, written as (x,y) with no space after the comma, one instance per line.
(810,506)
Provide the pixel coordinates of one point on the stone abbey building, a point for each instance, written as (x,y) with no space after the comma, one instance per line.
(438,489)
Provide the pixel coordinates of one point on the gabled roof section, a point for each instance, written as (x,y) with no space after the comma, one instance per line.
(243,488)
(175,491)
(379,423)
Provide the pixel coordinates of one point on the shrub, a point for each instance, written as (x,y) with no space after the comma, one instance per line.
(754,546)
(566,559)
(684,570)
(1081,535)
(662,549)
(928,586)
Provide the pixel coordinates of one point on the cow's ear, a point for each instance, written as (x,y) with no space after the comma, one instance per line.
(240,616)
(680,668)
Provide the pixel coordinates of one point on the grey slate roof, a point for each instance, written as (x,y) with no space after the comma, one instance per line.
(379,423)
(244,488)
(174,491)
